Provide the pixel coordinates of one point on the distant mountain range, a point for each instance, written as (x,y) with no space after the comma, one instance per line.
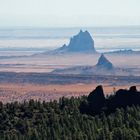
(123,52)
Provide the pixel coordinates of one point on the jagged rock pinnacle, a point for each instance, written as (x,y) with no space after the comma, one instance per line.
(82,42)
(103,62)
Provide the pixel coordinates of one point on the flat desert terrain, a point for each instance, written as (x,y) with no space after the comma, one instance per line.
(24,78)
(21,92)
(47,63)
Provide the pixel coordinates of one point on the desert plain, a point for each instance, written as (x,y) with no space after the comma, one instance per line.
(24,78)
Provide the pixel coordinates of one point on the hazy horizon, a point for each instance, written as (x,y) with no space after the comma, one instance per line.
(62,13)
(41,39)
(67,27)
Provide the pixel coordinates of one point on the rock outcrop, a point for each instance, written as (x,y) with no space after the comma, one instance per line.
(96,99)
(97,103)
(103,67)
(104,63)
(80,43)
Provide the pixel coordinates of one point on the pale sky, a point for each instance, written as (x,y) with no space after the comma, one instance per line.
(63,13)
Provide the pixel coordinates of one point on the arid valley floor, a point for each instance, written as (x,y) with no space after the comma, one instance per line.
(20,92)
(23,78)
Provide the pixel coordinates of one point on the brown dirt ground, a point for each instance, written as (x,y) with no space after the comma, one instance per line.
(21,92)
